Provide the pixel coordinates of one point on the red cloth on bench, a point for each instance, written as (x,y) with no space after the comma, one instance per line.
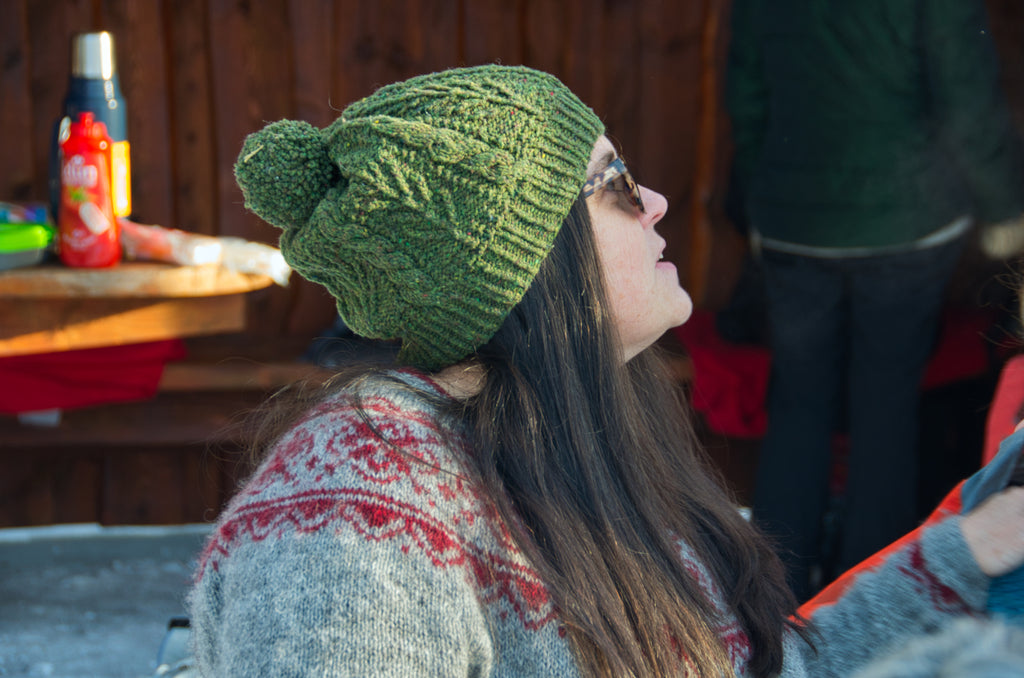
(70,379)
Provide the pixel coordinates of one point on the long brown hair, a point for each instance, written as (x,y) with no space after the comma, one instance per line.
(598,465)
(594,466)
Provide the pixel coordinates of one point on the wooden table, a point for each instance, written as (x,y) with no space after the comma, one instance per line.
(55,308)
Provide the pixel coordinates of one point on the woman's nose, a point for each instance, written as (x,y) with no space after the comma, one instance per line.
(655,205)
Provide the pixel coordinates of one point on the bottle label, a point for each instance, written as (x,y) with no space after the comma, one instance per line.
(94,219)
(79,176)
(88,232)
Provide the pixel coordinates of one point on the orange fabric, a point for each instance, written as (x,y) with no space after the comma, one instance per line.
(1004,413)
(951,505)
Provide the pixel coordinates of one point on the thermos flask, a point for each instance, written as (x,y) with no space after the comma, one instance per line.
(94,87)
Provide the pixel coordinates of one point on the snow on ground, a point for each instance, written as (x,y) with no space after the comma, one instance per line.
(84,601)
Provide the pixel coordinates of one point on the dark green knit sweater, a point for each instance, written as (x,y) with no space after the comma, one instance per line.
(869,123)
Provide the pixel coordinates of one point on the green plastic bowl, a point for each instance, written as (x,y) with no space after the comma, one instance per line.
(23,244)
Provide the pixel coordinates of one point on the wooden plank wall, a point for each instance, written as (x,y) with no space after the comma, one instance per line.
(198,75)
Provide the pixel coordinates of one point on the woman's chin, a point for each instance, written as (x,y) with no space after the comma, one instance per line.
(685,309)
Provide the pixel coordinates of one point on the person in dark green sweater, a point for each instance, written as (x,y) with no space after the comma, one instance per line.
(869,136)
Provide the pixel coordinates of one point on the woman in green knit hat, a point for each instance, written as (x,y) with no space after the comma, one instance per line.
(519,492)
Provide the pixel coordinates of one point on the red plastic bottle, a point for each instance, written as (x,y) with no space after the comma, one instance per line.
(88,233)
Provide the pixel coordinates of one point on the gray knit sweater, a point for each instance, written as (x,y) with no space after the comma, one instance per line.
(343,556)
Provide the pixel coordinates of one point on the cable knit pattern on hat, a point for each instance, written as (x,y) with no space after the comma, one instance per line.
(345,555)
(427,208)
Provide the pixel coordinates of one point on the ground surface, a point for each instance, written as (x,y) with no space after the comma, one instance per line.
(89,602)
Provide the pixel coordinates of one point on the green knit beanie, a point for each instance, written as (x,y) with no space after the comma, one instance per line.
(427,208)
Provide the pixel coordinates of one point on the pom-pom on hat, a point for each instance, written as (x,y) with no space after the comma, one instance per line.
(427,208)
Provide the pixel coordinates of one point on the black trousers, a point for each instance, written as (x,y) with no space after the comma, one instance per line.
(850,341)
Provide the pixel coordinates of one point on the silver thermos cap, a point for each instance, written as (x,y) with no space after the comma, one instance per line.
(92,55)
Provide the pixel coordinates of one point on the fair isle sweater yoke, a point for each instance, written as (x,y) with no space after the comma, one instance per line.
(344,556)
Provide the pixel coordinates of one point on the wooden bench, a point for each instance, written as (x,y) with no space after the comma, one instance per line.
(198,399)
(174,458)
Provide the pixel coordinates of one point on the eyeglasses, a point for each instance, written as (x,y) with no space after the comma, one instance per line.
(613,171)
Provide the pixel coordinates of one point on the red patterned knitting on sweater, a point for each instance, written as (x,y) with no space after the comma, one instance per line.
(292,492)
(943,597)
